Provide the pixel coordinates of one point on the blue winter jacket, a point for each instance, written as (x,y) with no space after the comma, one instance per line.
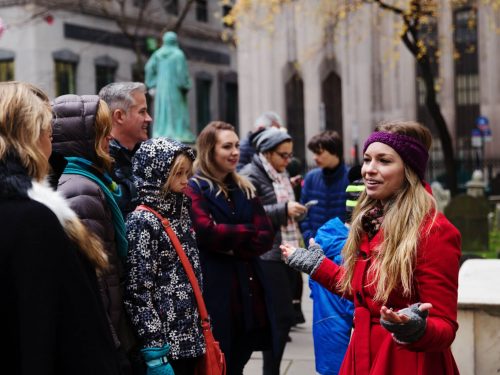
(332,315)
(328,188)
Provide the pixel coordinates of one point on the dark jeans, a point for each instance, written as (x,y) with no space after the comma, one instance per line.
(241,351)
(272,360)
(279,277)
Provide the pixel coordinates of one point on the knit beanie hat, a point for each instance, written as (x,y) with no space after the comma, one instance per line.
(269,139)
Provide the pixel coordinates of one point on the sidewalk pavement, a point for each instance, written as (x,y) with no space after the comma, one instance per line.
(298,358)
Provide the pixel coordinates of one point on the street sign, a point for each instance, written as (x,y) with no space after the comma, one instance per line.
(482,123)
(487,135)
(476,139)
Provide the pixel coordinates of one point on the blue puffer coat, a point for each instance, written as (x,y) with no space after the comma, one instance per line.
(332,315)
(327,186)
(158,296)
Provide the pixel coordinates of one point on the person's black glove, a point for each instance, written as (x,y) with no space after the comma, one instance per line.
(413,329)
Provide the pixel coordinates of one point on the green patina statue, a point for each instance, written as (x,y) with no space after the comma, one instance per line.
(167,73)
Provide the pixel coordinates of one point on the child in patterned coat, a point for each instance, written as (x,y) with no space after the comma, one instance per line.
(158,295)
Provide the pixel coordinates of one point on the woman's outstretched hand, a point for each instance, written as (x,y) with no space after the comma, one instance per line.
(395,317)
(287,250)
(408,324)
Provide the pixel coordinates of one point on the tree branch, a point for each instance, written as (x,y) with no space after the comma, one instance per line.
(386,6)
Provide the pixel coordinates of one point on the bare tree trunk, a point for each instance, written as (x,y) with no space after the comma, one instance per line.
(410,40)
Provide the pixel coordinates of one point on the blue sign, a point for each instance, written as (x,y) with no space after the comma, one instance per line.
(482,120)
(483,123)
(487,135)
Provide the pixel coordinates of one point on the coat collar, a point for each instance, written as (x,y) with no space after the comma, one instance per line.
(15,183)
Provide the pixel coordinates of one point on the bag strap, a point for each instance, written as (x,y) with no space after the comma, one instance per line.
(202,309)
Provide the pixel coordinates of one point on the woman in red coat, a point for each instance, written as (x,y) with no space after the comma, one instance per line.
(401,263)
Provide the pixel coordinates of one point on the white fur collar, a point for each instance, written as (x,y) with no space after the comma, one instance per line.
(41,192)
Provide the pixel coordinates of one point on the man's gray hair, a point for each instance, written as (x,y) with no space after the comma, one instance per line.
(118,95)
(268,119)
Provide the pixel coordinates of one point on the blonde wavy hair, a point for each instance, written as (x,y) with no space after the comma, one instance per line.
(176,166)
(404,214)
(25,113)
(205,161)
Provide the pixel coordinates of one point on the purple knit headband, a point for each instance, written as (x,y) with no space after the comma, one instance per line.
(413,152)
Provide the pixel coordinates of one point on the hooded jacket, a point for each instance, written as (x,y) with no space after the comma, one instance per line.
(159,298)
(74,135)
(50,294)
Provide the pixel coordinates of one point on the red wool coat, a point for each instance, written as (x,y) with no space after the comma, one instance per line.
(372,351)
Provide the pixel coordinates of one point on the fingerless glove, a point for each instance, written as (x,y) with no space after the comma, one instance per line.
(413,329)
(306,260)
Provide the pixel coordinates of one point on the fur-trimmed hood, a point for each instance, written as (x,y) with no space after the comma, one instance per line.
(16,184)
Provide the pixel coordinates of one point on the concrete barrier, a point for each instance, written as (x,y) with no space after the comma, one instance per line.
(477,345)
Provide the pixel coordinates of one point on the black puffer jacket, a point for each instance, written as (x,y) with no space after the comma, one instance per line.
(277,212)
(74,136)
(159,297)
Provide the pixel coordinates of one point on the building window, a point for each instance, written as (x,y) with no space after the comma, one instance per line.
(467,89)
(201,10)
(428,33)
(65,63)
(295,112)
(203,86)
(228,98)
(6,65)
(467,94)
(6,70)
(331,95)
(105,70)
(65,78)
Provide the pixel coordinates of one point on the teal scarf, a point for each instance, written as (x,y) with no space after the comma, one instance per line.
(85,168)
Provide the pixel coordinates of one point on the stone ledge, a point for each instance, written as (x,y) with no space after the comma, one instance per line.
(478,282)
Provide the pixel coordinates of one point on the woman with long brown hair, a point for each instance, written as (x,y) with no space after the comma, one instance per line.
(81,131)
(232,230)
(401,262)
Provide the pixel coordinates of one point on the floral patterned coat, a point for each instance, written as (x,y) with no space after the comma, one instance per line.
(158,295)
